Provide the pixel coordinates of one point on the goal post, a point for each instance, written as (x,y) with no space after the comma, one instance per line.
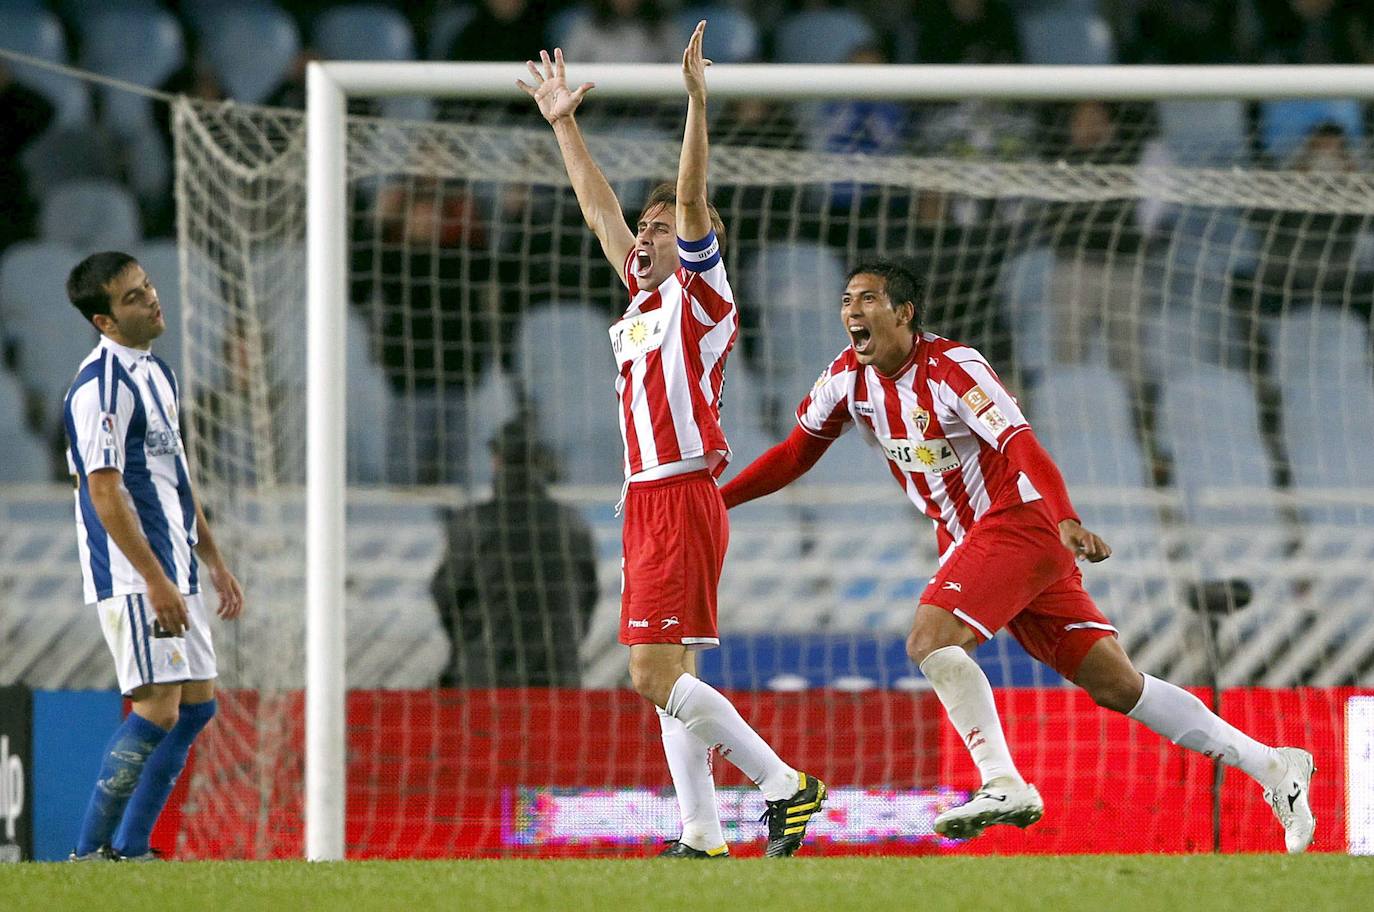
(331,84)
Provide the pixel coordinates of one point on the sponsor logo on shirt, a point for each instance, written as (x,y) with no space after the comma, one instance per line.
(932,457)
(107,430)
(670,622)
(637,623)
(976,399)
(162,440)
(863,408)
(953,586)
(633,337)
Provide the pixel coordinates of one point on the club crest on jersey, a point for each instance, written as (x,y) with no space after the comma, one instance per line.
(921,418)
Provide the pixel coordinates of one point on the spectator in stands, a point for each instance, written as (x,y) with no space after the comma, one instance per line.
(24,115)
(427,269)
(517,584)
(1315,31)
(621,31)
(1185,32)
(967,31)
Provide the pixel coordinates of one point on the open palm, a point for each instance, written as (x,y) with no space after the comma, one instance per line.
(550,90)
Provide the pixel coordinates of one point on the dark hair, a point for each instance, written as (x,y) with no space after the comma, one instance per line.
(87,280)
(900,283)
(665,194)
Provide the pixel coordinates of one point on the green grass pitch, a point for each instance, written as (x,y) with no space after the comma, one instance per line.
(1250,883)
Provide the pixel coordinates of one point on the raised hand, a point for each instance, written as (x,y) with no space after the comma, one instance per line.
(694,64)
(550,89)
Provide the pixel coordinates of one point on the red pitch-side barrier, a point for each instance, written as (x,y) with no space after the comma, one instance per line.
(431,773)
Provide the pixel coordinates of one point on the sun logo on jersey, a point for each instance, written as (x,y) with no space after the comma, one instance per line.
(638,332)
(925,455)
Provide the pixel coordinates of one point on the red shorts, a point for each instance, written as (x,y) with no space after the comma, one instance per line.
(1012,571)
(674,540)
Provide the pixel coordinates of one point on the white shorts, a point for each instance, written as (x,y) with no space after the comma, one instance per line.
(143,656)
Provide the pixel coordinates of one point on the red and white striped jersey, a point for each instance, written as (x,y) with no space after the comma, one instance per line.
(943,423)
(671,347)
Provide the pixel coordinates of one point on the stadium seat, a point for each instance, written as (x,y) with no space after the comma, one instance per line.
(1324,375)
(822,36)
(251,47)
(1023,287)
(364,32)
(795,291)
(106,39)
(1066,35)
(578,413)
(72,152)
(1284,125)
(731,37)
(1201,133)
(90,215)
(445,26)
(561,24)
(37,32)
(1082,413)
(32,273)
(23,458)
(1209,424)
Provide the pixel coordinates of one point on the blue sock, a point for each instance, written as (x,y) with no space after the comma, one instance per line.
(120,770)
(159,776)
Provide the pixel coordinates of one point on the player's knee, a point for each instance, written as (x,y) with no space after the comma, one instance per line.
(926,638)
(1118,691)
(164,717)
(652,680)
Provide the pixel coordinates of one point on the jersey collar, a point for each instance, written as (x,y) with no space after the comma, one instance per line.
(911,357)
(129,357)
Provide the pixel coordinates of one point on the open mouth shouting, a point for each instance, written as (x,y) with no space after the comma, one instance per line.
(644,262)
(859,337)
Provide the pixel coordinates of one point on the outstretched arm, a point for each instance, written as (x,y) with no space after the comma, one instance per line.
(776,469)
(600,208)
(693,212)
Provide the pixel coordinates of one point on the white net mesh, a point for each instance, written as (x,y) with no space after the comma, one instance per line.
(1186,324)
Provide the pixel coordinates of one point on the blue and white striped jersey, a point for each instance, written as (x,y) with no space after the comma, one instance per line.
(121,413)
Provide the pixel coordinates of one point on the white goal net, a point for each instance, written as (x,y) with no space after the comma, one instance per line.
(1179,293)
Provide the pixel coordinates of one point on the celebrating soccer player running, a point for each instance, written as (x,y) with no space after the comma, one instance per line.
(957,444)
(139,530)
(670,346)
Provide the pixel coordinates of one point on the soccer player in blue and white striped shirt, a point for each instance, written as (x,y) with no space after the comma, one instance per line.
(140,532)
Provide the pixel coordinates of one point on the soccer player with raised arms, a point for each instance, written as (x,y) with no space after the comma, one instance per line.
(670,347)
(140,531)
(958,445)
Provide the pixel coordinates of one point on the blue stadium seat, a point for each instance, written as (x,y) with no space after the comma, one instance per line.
(90,215)
(31,272)
(1209,423)
(251,47)
(1324,372)
(578,414)
(364,32)
(162,263)
(822,36)
(1023,286)
(795,290)
(23,458)
(36,32)
(1066,35)
(107,39)
(445,26)
(561,24)
(1201,133)
(732,36)
(1284,124)
(1082,413)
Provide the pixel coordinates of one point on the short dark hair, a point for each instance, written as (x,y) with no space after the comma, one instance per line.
(665,194)
(87,280)
(901,284)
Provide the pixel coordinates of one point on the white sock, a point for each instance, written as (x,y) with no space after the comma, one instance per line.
(1186,721)
(707,714)
(967,696)
(689,761)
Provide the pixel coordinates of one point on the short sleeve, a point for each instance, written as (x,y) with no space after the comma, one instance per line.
(98,432)
(977,396)
(825,412)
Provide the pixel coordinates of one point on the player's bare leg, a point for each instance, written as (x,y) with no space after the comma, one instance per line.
(1284,773)
(939,644)
(658,672)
